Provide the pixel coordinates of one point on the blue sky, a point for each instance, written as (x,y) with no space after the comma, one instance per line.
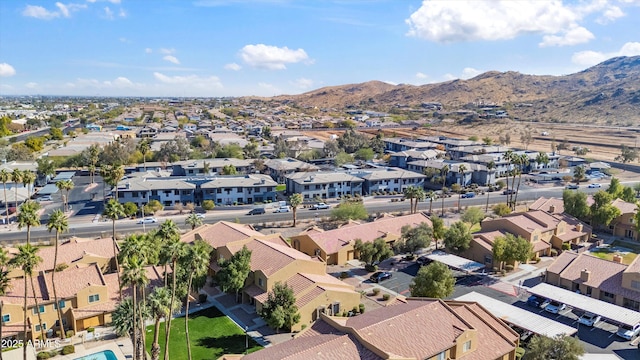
(272,47)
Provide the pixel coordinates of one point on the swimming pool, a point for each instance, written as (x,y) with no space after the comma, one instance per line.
(102,355)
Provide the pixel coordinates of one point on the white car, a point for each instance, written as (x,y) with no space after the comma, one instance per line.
(555,307)
(148,220)
(320,206)
(628,332)
(589,319)
(283,209)
(200,215)
(44,198)
(594,186)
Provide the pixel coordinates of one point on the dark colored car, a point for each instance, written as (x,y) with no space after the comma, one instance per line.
(256,211)
(508,192)
(379,276)
(423,260)
(537,301)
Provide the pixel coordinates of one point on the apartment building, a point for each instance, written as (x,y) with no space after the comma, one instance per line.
(168,191)
(240,189)
(324,185)
(278,169)
(415,328)
(389,180)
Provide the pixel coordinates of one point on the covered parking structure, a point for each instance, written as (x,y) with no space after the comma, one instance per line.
(615,313)
(65,175)
(455,262)
(521,318)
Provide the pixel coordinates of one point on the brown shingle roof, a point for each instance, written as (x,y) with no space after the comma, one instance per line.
(220,233)
(545,204)
(74,279)
(269,257)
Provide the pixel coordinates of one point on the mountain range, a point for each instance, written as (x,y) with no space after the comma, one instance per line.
(607,93)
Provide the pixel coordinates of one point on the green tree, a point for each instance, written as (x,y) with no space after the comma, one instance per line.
(5,282)
(434,281)
(172,251)
(113,210)
(58,222)
(193,220)
(560,347)
(444,171)
(134,274)
(371,252)
(438,228)
(16,178)
(229,170)
(331,148)
(56,134)
(628,195)
(351,141)
(472,215)
(159,303)
(510,248)
(431,195)
(414,194)
(5,177)
(602,212)
(342,158)
(34,143)
(501,209)
(122,318)
(251,151)
(615,188)
(233,272)
(542,159)
(627,154)
(130,208)
(112,174)
(365,154)
(295,200)
(46,167)
(28,179)
(29,217)
(65,185)
(457,238)
(414,238)
(349,211)
(575,204)
(280,310)
(578,174)
(153,206)
(197,261)
(144,147)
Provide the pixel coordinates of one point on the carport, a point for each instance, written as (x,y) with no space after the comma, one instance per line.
(65,175)
(48,189)
(615,313)
(456,262)
(521,318)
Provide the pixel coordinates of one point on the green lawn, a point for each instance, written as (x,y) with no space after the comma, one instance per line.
(212,335)
(607,254)
(281,187)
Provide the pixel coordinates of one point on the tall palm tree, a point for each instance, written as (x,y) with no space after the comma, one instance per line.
(114,210)
(167,232)
(173,251)
(92,160)
(5,283)
(524,162)
(144,147)
(461,170)
(542,159)
(29,217)
(28,179)
(16,177)
(135,275)
(516,161)
(295,200)
(507,156)
(5,177)
(66,185)
(193,220)
(27,259)
(112,174)
(46,167)
(410,193)
(420,195)
(443,172)
(197,256)
(160,305)
(490,166)
(58,222)
(431,195)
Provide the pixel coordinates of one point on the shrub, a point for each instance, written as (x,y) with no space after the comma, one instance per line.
(43,355)
(520,353)
(344,275)
(386,297)
(354,310)
(68,349)
(344,313)
(508,267)
(566,246)
(208,205)
(554,252)
(90,330)
(70,333)
(304,326)
(371,268)
(361,308)
(202,298)
(376,291)
(503,272)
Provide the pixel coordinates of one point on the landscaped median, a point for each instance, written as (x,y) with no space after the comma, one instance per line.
(212,335)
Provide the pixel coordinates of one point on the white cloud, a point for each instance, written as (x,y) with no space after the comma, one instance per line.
(122,13)
(303,83)
(271,57)
(590,58)
(148,50)
(108,13)
(468,73)
(421,76)
(233,66)
(31,85)
(63,9)
(195,81)
(456,21)
(39,12)
(6,70)
(171,59)
(122,81)
(574,36)
(167,51)
(125,40)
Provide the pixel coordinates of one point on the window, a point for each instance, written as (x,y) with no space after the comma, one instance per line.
(335,308)
(94,298)
(535,237)
(44,326)
(239,189)
(631,304)
(635,284)
(442,356)
(306,187)
(35,310)
(6,318)
(260,282)
(62,305)
(589,290)
(466,346)
(176,192)
(218,191)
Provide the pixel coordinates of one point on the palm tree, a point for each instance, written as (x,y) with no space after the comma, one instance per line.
(65,185)
(16,177)
(168,231)
(160,306)
(523,161)
(5,283)
(295,200)
(29,217)
(410,193)
(135,275)
(490,166)
(443,172)
(27,259)
(46,167)
(431,195)
(173,250)
(193,220)
(114,210)
(461,170)
(58,222)
(542,159)
(198,257)
(121,318)
(420,195)
(112,174)
(507,156)
(144,147)
(93,158)
(28,178)
(5,177)
(516,161)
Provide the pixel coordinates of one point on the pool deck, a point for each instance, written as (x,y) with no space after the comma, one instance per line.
(121,347)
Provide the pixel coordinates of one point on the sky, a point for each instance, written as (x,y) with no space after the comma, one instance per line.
(212,48)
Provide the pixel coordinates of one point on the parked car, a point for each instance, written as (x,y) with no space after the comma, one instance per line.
(423,260)
(44,198)
(283,209)
(589,319)
(628,332)
(572,187)
(200,215)
(468,195)
(594,186)
(379,276)
(508,192)
(555,307)
(320,206)
(148,220)
(537,301)
(256,211)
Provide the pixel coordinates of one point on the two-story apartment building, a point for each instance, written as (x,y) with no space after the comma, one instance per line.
(212,166)
(457,330)
(278,169)
(166,190)
(624,225)
(241,189)
(324,185)
(389,179)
